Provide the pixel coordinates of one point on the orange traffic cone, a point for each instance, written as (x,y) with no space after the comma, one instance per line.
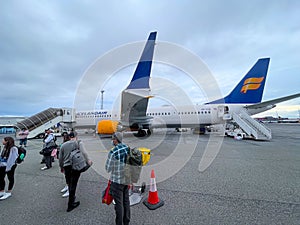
(153,202)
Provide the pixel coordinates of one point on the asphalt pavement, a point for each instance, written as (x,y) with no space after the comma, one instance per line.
(248,182)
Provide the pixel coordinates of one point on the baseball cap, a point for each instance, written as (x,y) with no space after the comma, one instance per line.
(118,136)
(72,135)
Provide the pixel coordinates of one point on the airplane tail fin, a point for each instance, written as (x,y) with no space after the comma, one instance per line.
(250,89)
(141,75)
(136,96)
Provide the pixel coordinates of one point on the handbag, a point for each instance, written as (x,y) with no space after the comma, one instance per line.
(107,198)
(54,153)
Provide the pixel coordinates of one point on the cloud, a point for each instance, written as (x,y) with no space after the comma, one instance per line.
(46,46)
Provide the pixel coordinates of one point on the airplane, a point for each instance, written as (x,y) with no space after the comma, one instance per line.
(135,115)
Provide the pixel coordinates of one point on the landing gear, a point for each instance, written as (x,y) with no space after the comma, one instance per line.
(143,133)
(149,132)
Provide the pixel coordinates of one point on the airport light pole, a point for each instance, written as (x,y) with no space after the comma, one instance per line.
(102,92)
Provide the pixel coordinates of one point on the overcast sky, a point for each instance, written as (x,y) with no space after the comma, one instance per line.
(46,46)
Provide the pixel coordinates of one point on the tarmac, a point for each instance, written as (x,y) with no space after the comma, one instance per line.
(247,182)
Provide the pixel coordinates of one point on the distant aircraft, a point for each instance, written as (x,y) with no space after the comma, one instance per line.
(134,114)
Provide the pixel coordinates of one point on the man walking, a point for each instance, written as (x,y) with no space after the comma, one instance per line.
(115,165)
(72,176)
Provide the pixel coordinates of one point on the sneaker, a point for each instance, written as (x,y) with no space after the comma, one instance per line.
(65,194)
(5,196)
(44,168)
(64,189)
(2,193)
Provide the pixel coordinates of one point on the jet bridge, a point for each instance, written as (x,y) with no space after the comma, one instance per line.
(38,123)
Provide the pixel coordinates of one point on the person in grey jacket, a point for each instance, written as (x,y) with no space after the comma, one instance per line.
(8,166)
(72,176)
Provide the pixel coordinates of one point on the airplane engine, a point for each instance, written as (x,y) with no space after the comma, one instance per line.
(107,126)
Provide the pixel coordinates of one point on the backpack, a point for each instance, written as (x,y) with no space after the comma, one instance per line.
(22,154)
(77,159)
(133,166)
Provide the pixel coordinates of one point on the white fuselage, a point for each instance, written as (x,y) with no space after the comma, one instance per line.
(169,116)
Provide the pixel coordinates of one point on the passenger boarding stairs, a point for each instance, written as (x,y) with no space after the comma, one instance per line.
(251,127)
(38,123)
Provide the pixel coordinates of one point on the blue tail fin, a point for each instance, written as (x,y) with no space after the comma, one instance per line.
(142,73)
(250,88)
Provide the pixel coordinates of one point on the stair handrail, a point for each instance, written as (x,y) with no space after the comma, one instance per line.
(259,126)
(244,125)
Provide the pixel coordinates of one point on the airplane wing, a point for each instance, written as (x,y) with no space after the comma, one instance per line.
(272,102)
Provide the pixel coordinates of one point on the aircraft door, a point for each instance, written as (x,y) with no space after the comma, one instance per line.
(223,112)
(220,111)
(68,115)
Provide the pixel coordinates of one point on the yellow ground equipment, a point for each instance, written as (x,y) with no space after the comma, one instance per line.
(145,154)
(107,126)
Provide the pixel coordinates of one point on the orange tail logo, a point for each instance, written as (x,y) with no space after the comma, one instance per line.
(252,83)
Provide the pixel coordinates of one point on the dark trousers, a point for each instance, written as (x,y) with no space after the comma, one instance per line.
(48,160)
(68,171)
(120,194)
(73,185)
(10,176)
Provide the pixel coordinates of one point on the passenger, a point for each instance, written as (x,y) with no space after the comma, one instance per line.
(49,145)
(115,165)
(8,166)
(23,136)
(72,176)
(45,136)
(73,131)
(65,190)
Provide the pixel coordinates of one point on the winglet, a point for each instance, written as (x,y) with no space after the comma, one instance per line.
(250,89)
(142,73)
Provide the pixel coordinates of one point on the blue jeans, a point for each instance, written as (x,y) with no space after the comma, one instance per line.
(120,193)
(23,142)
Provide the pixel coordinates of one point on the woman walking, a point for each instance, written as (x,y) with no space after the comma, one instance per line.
(8,166)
